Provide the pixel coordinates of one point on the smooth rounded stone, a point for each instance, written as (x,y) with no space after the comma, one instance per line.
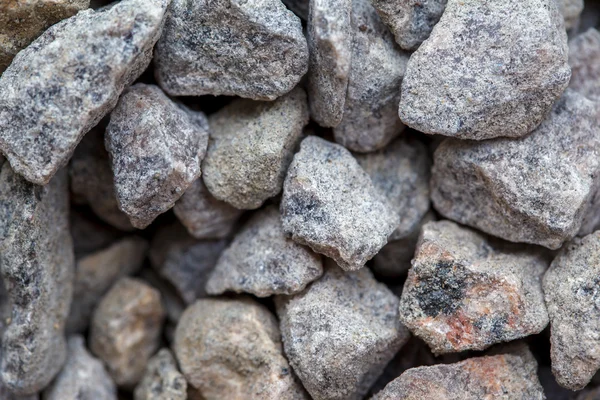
(37,267)
(61,86)
(204,216)
(504,376)
(570,10)
(465,292)
(298,7)
(154,160)
(340,333)
(162,380)
(89,234)
(584,59)
(489,69)
(22,21)
(82,377)
(370,119)
(125,329)
(329,37)
(251,146)
(231,349)
(330,204)
(253,49)
(262,261)
(97,272)
(535,189)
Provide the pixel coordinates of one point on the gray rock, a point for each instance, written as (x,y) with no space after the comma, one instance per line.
(263,262)
(97,272)
(570,10)
(330,204)
(60,86)
(298,7)
(154,160)
(82,377)
(231,349)
(251,146)
(487,72)
(6,394)
(584,59)
(162,380)
(37,267)
(340,333)
(252,49)
(465,292)
(535,189)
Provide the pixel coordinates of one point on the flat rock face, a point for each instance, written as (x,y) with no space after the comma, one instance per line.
(37,267)
(231,349)
(584,59)
(263,262)
(251,146)
(504,376)
(340,333)
(154,160)
(330,204)
(489,69)
(534,189)
(465,293)
(252,49)
(162,380)
(571,287)
(60,86)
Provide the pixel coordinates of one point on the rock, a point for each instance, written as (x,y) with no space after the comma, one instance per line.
(125,329)
(298,7)
(465,292)
(231,349)
(22,21)
(60,86)
(252,49)
(330,204)
(154,160)
(411,21)
(6,394)
(89,234)
(82,377)
(570,286)
(251,146)
(534,189)
(162,380)
(97,272)
(584,59)
(570,9)
(263,262)
(36,265)
(487,72)
(183,261)
(204,216)
(503,376)
(340,333)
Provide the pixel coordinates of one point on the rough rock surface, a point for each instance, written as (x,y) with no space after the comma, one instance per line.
(37,267)
(330,204)
(489,69)
(97,272)
(464,292)
(534,189)
(82,377)
(231,349)
(571,289)
(570,10)
(252,49)
(154,160)
(125,329)
(262,261)
(340,333)
(251,146)
(162,380)
(584,59)
(60,86)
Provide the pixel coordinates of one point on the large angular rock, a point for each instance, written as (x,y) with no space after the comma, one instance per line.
(489,69)
(162,380)
(340,333)
(534,189)
(465,292)
(231,349)
(60,86)
(251,146)
(154,160)
(37,267)
(330,204)
(252,49)
(584,59)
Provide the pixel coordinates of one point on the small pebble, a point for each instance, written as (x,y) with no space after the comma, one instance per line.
(162,380)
